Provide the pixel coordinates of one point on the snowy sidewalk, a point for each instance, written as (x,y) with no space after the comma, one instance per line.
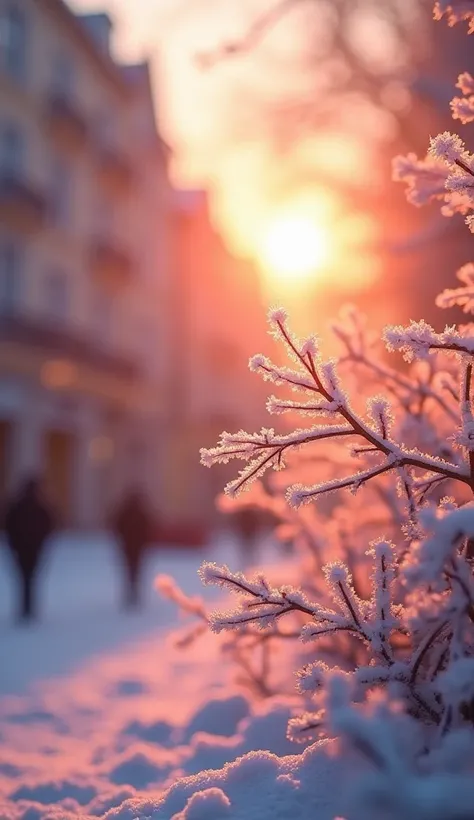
(97,706)
(80,607)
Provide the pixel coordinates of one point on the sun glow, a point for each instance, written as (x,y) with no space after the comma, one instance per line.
(294,248)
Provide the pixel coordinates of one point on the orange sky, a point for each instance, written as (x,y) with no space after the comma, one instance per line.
(203,114)
(214,119)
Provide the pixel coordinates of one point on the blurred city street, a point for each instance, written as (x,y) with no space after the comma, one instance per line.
(219,312)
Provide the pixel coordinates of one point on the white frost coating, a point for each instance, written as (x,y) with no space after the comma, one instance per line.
(448,146)
(310,347)
(432,553)
(380,410)
(278,315)
(426,179)
(455,11)
(456,684)
(465,83)
(418,340)
(462,296)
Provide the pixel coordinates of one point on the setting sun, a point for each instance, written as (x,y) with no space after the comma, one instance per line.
(293,248)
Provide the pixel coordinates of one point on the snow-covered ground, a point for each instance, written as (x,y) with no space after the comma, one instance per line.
(97,706)
(80,593)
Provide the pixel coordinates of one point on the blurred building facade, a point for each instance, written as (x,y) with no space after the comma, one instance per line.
(85,209)
(219,322)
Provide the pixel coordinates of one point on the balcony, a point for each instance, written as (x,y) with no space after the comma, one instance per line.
(22,207)
(65,347)
(66,121)
(115,169)
(110,263)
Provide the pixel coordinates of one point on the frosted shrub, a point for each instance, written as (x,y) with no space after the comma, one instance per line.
(387,691)
(385,607)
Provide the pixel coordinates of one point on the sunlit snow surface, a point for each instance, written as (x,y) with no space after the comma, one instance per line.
(100,713)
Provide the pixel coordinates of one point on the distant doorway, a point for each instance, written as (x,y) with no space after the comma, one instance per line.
(59,451)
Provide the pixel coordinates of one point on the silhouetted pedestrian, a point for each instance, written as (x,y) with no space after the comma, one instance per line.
(28,524)
(133,524)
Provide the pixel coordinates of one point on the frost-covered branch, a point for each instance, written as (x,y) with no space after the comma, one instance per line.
(262,605)
(462,296)
(409,390)
(446,174)
(419,339)
(266,449)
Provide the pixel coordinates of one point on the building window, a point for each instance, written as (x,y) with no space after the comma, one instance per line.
(60,193)
(14,35)
(57,295)
(12,149)
(10,277)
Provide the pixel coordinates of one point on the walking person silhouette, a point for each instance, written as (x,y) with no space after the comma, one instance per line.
(132,524)
(28,523)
